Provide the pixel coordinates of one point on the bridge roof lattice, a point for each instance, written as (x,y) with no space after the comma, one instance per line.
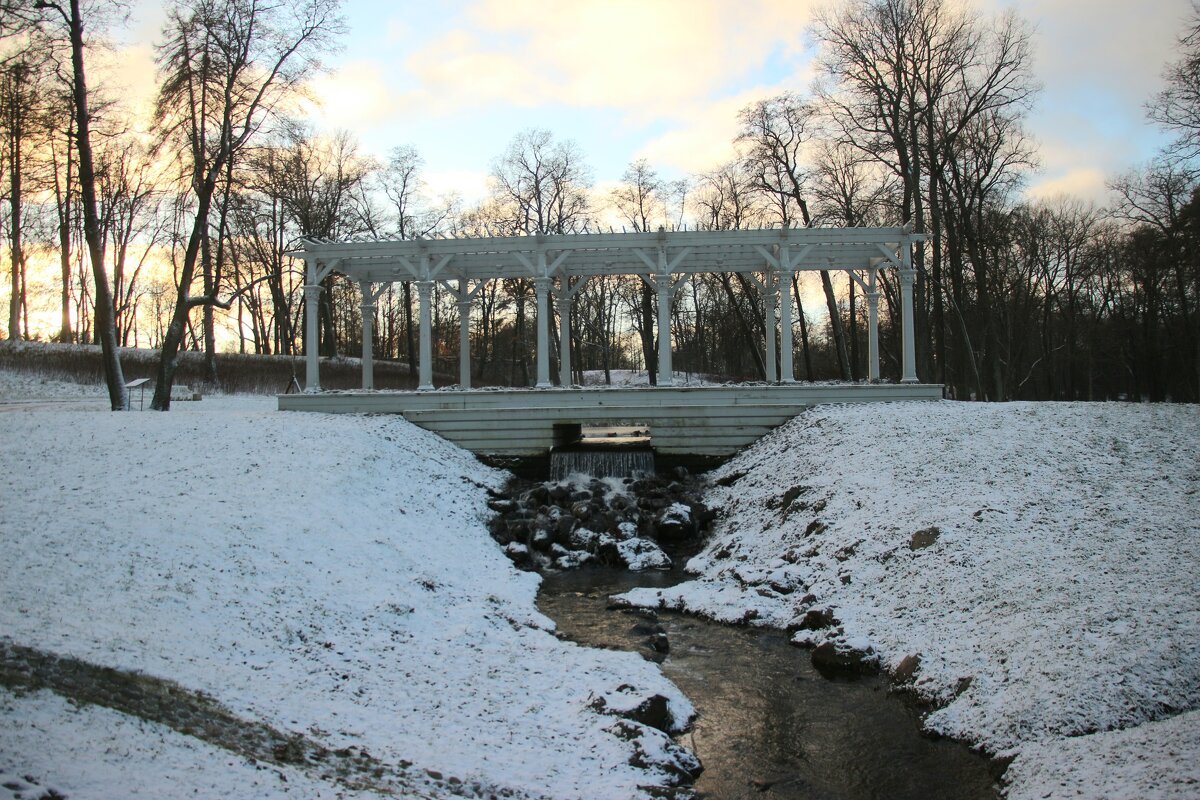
(586,254)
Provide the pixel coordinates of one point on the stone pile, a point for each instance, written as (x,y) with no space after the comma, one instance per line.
(621,522)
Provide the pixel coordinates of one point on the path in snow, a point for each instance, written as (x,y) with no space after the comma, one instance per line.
(197,715)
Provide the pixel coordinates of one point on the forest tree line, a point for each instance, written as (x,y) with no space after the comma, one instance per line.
(160,232)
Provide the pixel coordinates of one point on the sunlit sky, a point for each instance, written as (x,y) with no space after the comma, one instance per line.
(664,79)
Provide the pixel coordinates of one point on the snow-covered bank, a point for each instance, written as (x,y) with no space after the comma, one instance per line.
(1040,559)
(330,576)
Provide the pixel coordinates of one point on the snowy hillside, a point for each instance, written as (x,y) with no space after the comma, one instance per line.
(326,581)
(1040,560)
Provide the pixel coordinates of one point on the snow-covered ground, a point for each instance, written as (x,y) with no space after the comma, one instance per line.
(329,576)
(1041,560)
(85,751)
(30,387)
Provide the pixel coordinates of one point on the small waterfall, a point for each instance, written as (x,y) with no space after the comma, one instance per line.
(602,462)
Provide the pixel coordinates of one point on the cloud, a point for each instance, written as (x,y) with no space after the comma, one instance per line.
(129,75)
(701,139)
(1114,45)
(470,185)
(1086,183)
(649,60)
(356,96)
(701,135)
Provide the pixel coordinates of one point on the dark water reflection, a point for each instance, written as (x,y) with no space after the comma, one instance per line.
(770,725)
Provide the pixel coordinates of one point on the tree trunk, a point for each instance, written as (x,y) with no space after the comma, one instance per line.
(747,330)
(853,335)
(649,354)
(409,341)
(105,314)
(15,136)
(808,369)
(64,239)
(835,323)
(177,329)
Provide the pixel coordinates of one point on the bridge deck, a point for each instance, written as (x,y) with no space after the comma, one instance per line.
(699,421)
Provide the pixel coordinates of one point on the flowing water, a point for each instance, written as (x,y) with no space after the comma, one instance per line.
(770,725)
(602,462)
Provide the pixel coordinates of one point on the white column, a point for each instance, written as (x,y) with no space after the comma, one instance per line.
(425,359)
(564,334)
(785,318)
(664,287)
(872,330)
(368,336)
(312,359)
(769,302)
(464,335)
(907,277)
(542,288)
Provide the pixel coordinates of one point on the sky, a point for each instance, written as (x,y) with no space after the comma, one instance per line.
(664,79)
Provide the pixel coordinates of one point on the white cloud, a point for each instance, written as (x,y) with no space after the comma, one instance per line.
(471,186)
(1111,46)
(648,60)
(1086,183)
(129,76)
(354,97)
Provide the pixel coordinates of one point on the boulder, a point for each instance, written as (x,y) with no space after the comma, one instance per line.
(831,660)
(906,670)
(924,538)
(641,554)
(675,523)
(817,619)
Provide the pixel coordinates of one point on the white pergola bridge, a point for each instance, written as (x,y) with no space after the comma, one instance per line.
(559,266)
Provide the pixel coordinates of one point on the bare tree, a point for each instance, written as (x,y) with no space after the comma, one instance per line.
(543,184)
(726,199)
(413,216)
(539,185)
(72,15)
(130,221)
(1177,106)
(904,81)
(226,65)
(640,200)
(17,114)
(775,132)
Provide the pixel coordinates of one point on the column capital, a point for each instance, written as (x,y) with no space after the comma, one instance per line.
(543,283)
(313,288)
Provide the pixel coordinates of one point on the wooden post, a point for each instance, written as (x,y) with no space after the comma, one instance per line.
(464,335)
(312,357)
(368,335)
(785,317)
(769,322)
(664,288)
(872,328)
(542,288)
(907,277)
(425,298)
(564,334)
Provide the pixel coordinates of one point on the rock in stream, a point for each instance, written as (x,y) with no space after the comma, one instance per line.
(621,522)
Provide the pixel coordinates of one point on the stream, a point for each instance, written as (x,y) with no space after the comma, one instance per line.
(770,725)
